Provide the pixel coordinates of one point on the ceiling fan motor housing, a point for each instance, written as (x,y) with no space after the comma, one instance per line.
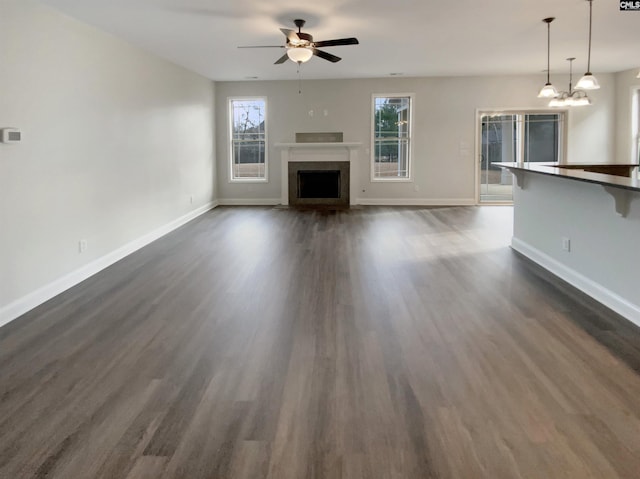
(304,36)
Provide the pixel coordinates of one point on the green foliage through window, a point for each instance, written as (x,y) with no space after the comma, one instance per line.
(391,137)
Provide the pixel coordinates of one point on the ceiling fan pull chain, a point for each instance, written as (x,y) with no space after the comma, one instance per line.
(299,80)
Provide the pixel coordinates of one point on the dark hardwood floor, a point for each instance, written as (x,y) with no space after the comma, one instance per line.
(364,343)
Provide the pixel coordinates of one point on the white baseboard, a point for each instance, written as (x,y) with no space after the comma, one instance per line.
(249,201)
(613,301)
(416,201)
(22,305)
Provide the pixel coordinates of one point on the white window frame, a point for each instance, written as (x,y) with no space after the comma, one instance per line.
(409,177)
(230,101)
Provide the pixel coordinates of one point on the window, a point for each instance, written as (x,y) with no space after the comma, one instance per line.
(391,148)
(541,137)
(248,142)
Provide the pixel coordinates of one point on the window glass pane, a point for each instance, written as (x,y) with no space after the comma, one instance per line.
(392,117)
(391,136)
(248,139)
(391,158)
(541,137)
(499,144)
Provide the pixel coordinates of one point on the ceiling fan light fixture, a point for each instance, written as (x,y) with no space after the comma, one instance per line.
(299,54)
(638,75)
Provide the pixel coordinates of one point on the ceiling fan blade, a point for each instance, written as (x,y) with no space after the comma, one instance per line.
(326,56)
(291,35)
(282,59)
(337,42)
(264,46)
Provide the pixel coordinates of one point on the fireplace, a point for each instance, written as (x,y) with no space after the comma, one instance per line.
(319,183)
(324,167)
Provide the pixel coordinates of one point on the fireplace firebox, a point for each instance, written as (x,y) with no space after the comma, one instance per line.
(319,183)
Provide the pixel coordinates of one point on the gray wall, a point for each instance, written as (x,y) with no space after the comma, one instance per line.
(116,142)
(444,129)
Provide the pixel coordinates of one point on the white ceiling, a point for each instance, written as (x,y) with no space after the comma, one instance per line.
(411,37)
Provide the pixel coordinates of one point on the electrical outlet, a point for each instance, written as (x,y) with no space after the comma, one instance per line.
(82,245)
(566,244)
(416,188)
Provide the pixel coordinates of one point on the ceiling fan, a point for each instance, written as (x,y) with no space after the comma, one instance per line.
(301,47)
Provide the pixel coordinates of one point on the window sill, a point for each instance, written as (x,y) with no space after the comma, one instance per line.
(391,180)
(249,180)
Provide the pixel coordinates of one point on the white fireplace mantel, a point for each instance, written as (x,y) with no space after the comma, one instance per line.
(346,151)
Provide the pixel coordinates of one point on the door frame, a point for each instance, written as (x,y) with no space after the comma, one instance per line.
(524,110)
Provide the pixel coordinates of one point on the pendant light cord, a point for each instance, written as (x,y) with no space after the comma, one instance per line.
(548,22)
(590,22)
(548,52)
(570,74)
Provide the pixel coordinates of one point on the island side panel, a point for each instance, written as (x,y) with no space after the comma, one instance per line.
(603,252)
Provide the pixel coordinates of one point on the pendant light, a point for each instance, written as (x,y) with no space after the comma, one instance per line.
(588,81)
(571,97)
(548,90)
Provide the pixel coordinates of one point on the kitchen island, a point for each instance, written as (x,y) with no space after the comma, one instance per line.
(583,225)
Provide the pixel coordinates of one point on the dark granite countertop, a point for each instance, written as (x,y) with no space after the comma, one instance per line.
(572,172)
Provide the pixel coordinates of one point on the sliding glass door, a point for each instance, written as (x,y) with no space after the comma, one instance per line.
(499,144)
(515,137)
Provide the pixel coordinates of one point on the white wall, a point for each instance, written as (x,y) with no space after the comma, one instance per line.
(116,142)
(591,129)
(444,128)
(601,260)
(626,85)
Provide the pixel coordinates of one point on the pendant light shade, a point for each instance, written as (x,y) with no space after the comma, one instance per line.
(580,100)
(588,81)
(638,75)
(557,102)
(548,90)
